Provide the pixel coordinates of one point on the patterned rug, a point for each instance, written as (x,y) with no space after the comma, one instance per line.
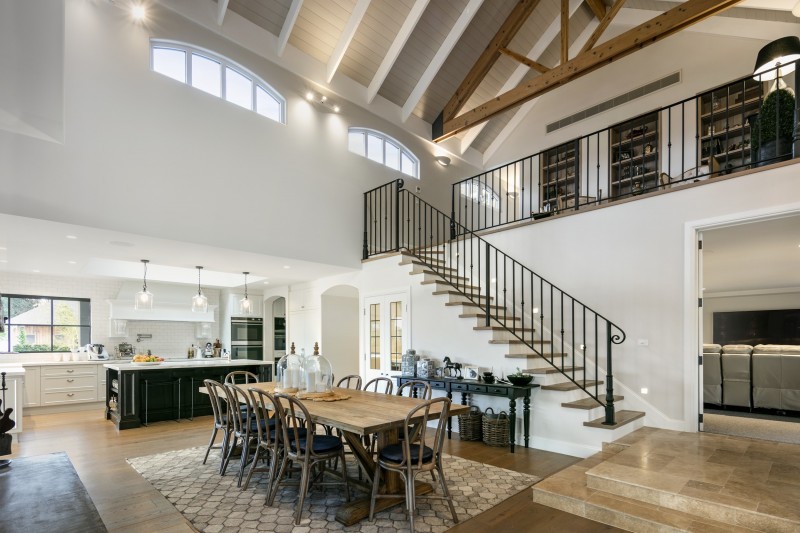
(213,503)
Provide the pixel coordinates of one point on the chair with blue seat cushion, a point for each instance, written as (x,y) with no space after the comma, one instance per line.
(244,426)
(417,452)
(415,389)
(219,407)
(266,427)
(241,377)
(302,446)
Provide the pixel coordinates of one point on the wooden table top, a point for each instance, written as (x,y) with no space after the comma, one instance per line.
(364,412)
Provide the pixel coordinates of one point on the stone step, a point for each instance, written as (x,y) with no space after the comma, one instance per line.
(588,404)
(534,355)
(483,316)
(551,370)
(502,328)
(472,304)
(517,341)
(459,285)
(621,418)
(568,385)
(568,492)
(448,277)
(432,264)
(452,292)
(422,251)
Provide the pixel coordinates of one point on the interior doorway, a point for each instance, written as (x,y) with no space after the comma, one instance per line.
(274,328)
(749,273)
(339,329)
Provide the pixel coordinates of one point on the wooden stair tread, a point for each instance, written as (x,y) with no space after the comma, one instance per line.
(517,341)
(453,292)
(532,355)
(588,403)
(447,277)
(552,370)
(451,283)
(501,328)
(483,315)
(568,385)
(620,419)
(472,304)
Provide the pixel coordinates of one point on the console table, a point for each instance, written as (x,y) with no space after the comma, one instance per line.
(471,386)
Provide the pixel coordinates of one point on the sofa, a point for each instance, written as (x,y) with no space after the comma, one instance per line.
(736,376)
(776,377)
(712,374)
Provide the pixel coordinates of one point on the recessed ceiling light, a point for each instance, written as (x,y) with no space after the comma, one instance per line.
(35,271)
(286,267)
(121,243)
(336,109)
(266,283)
(309,96)
(71,237)
(3,261)
(72,262)
(3,248)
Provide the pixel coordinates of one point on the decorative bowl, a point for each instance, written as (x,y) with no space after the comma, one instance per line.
(524,379)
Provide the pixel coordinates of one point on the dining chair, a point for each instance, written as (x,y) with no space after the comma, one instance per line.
(241,376)
(381,384)
(352,381)
(415,389)
(417,452)
(219,407)
(301,445)
(267,429)
(244,427)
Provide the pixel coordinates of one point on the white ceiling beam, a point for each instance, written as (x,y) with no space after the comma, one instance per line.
(288,25)
(441,55)
(527,107)
(347,35)
(515,79)
(222,8)
(397,46)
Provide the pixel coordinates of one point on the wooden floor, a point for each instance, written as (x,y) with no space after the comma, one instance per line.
(128,503)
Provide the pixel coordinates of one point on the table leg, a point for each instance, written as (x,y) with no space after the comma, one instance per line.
(449,418)
(526,417)
(512,423)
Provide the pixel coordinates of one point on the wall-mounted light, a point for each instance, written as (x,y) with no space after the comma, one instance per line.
(199,300)
(138,12)
(320,100)
(443,160)
(144,298)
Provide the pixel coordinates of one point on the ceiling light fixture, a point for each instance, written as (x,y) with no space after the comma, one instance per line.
(138,12)
(777,58)
(322,101)
(71,237)
(199,300)
(443,160)
(144,298)
(245,305)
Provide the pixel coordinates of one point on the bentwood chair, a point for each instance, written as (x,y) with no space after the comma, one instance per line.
(381,385)
(416,453)
(268,430)
(302,446)
(219,406)
(241,376)
(352,381)
(415,389)
(244,427)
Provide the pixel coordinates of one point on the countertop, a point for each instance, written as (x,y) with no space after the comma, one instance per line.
(184,363)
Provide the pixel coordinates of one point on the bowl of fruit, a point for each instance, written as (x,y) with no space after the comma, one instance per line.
(519,379)
(147,360)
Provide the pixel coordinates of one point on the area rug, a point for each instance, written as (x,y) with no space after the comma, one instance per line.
(213,503)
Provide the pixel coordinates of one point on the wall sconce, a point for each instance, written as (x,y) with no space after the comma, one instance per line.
(443,160)
(322,101)
(777,58)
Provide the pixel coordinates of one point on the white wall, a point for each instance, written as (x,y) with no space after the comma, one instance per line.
(340,333)
(170,339)
(202,168)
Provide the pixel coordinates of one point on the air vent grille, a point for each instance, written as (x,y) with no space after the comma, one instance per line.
(611,103)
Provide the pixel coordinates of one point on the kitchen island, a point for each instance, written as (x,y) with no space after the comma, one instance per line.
(138,394)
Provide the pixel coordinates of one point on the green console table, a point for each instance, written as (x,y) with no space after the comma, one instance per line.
(470,386)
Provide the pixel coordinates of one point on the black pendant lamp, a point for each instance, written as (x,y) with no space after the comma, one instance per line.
(777,58)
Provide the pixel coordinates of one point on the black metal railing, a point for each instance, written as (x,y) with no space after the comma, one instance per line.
(736,126)
(507,297)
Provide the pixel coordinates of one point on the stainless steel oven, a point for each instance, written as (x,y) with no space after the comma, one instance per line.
(246,330)
(248,351)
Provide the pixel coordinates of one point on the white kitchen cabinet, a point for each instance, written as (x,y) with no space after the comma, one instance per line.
(33,387)
(303,299)
(101,383)
(304,329)
(65,384)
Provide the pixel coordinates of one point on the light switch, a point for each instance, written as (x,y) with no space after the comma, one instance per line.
(643,342)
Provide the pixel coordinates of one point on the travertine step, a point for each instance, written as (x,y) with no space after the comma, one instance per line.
(568,385)
(431,264)
(451,292)
(467,303)
(483,315)
(621,418)
(517,341)
(447,283)
(552,370)
(534,355)
(588,403)
(512,329)
(445,276)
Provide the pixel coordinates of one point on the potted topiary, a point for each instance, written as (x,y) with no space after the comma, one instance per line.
(772,133)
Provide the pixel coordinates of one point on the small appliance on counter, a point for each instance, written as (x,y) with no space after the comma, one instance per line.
(125,350)
(97,352)
(208,351)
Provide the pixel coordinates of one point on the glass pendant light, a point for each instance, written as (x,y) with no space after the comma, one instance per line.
(199,300)
(144,298)
(245,305)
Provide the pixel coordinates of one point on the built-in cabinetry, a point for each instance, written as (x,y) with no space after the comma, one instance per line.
(55,384)
(305,319)
(724,121)
(634,151)
(559,167)
(33,386)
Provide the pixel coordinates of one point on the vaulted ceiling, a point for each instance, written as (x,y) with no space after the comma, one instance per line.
(417,54)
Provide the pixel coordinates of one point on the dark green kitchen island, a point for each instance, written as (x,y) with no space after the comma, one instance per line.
(138,394)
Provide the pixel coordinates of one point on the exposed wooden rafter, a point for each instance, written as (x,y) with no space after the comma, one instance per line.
(222,8)
(597,7)
(564,31)
(346,37)
(664,25)
(288,25)
(489,57)
(524,60)
(604,22)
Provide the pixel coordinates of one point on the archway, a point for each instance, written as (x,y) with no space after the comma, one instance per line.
(339,335)
(274,320)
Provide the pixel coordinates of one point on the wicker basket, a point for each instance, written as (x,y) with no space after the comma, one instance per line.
(495,428)
(469,424)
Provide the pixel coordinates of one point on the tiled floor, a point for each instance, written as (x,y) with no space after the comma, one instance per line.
(660,480)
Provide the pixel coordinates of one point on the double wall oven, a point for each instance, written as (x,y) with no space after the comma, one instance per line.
(247,338)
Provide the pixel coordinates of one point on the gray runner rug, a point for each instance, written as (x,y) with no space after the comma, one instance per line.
(213,503)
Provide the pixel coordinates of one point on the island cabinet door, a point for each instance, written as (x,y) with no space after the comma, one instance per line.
(158,396)
(193,402)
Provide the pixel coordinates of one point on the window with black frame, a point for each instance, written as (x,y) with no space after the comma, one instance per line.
(44,324)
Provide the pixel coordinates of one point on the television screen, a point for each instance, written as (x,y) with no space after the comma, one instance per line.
(780,326)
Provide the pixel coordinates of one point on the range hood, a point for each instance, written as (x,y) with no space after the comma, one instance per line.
(172,304)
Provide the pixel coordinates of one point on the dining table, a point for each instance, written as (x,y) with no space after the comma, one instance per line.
(357,418)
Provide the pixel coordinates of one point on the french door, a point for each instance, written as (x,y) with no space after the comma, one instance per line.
(386,325)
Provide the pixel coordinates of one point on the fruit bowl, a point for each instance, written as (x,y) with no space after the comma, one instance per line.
(520,379)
